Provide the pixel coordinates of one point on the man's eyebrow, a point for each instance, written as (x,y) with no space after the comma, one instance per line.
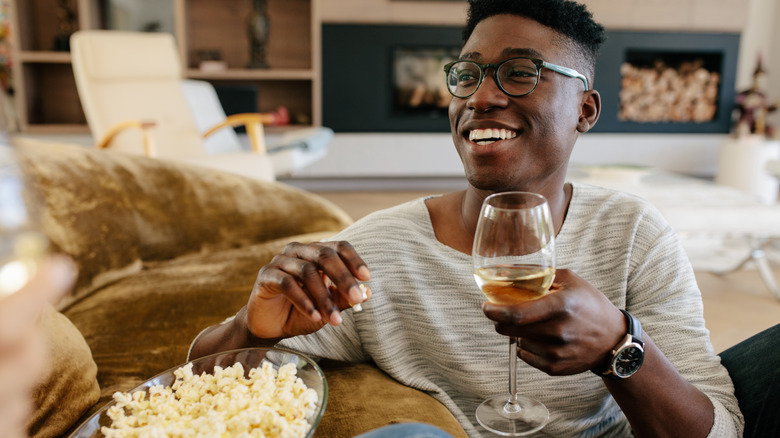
(506,53)
(521,52)
(473,56)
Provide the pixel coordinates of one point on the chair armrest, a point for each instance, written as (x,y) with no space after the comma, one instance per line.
(253,122)
(144,125)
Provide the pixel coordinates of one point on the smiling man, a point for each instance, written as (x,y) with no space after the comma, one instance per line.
(523,94)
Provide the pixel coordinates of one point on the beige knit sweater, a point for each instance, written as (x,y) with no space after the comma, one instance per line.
(424,326)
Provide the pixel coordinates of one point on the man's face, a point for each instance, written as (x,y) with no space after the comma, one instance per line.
(536,131)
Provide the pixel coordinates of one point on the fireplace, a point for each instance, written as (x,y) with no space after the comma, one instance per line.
(389,78)
(665,82)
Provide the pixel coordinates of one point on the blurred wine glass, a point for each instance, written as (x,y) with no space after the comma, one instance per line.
(22,244)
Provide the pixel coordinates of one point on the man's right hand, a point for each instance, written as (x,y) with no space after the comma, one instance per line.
(305,288)
(298,293)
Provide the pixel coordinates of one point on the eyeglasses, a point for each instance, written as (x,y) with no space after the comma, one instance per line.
(514,76)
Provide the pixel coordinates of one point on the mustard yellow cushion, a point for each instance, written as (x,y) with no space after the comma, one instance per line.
(112,212)
(361,398)
(70,387)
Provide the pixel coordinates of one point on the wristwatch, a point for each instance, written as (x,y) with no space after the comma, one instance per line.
(628,355)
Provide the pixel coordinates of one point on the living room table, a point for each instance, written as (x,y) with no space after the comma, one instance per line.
(721,228)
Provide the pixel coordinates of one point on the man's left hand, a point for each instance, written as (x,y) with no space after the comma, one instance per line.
(570,330)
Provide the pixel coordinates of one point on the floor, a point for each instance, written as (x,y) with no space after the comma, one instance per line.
(736,305)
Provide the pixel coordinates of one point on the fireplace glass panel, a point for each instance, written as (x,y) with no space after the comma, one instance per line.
(418,80)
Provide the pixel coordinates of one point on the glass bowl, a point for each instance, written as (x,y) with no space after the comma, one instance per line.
(308,371)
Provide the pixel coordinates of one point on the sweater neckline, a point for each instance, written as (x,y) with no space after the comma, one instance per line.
(420,203)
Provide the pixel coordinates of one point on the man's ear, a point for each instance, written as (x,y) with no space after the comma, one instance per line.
(590,110)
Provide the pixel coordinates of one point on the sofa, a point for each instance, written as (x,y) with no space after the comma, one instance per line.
(164,250)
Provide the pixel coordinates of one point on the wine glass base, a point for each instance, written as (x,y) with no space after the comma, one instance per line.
(531,416)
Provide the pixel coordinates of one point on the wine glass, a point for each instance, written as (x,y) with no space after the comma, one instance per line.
(514,261)
(22,245)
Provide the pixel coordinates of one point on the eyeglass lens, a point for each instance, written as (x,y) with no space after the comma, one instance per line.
(516,76)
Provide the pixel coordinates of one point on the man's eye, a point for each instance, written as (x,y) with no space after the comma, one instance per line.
(519,76)
(520,73)
(466,76)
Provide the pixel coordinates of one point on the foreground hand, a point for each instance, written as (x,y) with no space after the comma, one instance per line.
(570,330)
(305,288)
(23,346)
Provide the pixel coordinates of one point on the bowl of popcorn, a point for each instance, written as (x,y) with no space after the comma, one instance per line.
(266,392)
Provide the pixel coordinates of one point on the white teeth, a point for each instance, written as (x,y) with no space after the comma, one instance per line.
(478,135)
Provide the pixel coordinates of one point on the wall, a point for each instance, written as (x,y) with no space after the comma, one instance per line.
(754,18)
(393,11)
(704,15)
(432,155)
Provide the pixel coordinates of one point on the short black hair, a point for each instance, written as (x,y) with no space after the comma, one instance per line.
(569,18)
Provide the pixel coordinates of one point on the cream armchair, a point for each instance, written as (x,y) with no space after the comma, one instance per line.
(289,152)
(130,87)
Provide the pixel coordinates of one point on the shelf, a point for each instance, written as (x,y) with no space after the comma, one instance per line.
(252,75)
(44,57)
(49,94)
(57,128)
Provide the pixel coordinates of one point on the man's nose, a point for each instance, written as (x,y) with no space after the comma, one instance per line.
(488,95)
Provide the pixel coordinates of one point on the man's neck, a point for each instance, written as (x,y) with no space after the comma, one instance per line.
(454,216)
(557,199)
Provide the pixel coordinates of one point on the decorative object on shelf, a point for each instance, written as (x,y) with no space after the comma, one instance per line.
(258,29)
(278,117)
(753,106)
(66,14)
(743,158)
(210,60)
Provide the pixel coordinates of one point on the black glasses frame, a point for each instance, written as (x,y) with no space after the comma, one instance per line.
(566,71)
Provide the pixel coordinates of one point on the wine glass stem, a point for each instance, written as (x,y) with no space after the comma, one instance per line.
(511,405)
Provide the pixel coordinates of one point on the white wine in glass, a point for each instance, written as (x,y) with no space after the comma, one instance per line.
(514,261)
(22,245)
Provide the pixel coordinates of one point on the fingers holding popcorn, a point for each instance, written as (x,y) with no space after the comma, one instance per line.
(306,287)
(358,307)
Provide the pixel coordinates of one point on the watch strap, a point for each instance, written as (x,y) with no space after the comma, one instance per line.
(634,326)
(635,333)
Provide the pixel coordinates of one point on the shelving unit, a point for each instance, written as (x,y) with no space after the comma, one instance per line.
(45,90)
(45,93)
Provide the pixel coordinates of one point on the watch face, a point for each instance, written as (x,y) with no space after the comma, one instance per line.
(628,360)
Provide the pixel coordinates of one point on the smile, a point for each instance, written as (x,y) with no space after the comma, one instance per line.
(487,136)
